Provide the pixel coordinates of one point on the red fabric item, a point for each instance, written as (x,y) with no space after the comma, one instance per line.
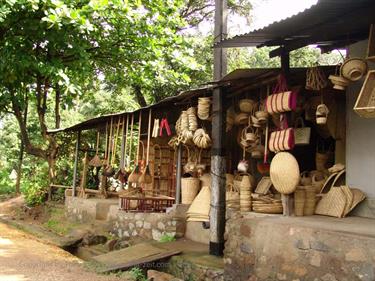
(164,124)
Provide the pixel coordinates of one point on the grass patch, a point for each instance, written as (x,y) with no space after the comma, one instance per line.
(167,238)
(57,221)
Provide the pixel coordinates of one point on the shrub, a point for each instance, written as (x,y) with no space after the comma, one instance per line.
(35,194)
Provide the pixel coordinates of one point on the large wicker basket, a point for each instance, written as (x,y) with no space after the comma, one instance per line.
(189,189)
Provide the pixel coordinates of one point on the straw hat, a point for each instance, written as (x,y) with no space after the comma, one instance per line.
(246,105)
(284,172)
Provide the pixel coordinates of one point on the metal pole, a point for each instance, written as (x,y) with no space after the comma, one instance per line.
(76,163)
(178,174)
(217,211)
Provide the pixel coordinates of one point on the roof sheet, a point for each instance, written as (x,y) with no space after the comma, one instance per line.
(324,23)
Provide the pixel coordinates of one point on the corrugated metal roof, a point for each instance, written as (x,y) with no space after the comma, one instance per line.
(325,22)
(94,122)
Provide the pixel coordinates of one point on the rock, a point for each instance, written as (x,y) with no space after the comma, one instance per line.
(161,225)
(355,255)
(70,242)
(131,225)
(301,244)
(156,234)
(121,244)
(245,230)
(154,275)
(93,239)
(146,225)
(319,246)
(315,259)
(111,244)
(281,277)
(246,248)
(329,277)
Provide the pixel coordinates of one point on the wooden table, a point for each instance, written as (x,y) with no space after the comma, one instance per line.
(145,203)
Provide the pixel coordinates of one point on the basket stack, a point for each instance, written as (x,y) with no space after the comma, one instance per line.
(204,108)
(189,189)
(266,204)
(245,194)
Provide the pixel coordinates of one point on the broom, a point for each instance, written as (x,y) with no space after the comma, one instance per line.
(95,161)
(135,174)
(146,175)
(122,174)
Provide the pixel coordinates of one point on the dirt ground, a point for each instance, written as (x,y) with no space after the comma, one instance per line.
(23,258)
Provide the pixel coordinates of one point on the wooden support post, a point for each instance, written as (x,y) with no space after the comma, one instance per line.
(217,211)
(178,174)
(85,161)
(78,141)
(218,180)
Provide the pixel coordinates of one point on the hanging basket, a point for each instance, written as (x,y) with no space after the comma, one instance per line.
(247,105)
(189,189)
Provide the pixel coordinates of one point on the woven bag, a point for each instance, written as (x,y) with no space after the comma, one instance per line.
(284,172)
(333,203)
(281,100)
(189,189)
(302,133)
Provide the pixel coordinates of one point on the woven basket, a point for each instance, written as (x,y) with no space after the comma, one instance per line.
(332,204)
(200,208)
(301,133)
(232,197)
(189,189)
(310,201)
(358,197)
(299,202)
(247,105)
(284,172)
(241,118)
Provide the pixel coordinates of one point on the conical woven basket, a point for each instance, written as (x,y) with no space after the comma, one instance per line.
(200,207)
(189,189)
(284,172)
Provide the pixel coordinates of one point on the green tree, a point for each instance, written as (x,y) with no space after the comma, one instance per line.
(55,51)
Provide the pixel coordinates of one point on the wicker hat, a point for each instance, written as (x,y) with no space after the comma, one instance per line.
(353,69)
(284,172)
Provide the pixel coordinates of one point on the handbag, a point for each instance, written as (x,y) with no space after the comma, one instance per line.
(281,100)
(282,139)
(301,133)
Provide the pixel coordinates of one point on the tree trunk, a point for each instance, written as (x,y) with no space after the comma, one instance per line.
(22,148)
(57,107)
(51,175)
(139,96)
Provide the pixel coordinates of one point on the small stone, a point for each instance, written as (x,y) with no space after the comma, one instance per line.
(139,224)
(319,246)
(131,226)
(246,248)
(245,230)
(174,223)
(146,225)
(355,255)
(111,244)
(156,234)
(329,277)
(134,233)
(126,234)
(169,223)
(315,259)
(281,276)
(301,244)
(161,225)
(119,233)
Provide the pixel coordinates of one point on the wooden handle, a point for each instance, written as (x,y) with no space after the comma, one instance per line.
(110,141)
(131,137)
(115,142)
(126,140)
(139,134)
(97,142)
(148,135)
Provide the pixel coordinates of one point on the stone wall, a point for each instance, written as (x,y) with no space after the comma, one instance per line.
(264,249)
(147,225)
